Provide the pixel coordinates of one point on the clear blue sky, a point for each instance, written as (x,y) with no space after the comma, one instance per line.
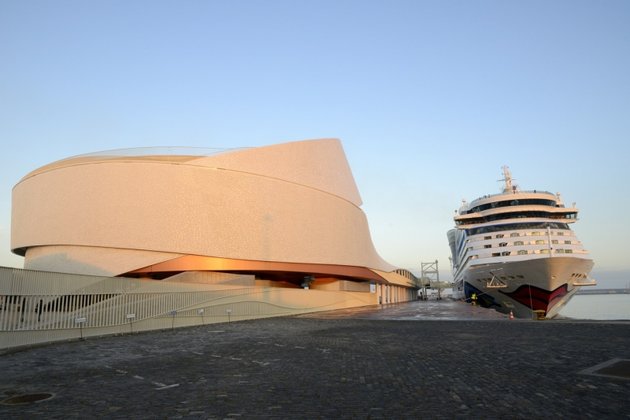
(430,99)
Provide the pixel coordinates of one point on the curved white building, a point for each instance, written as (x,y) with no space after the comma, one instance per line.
(286,213)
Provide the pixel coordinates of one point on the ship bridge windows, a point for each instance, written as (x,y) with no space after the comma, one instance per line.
(518,215)
(508,203)
(515,226)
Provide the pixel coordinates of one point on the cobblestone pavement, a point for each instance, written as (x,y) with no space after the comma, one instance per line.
(360,365)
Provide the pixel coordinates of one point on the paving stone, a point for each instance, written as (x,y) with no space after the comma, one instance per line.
(371,363)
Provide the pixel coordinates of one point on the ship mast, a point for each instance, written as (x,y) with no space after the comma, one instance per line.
(507,178)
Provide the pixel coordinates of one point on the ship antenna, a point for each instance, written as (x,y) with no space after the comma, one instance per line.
(507,178)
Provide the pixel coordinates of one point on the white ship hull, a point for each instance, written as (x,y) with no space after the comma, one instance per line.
(531,288)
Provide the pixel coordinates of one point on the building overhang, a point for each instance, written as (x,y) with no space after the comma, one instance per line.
(265,269)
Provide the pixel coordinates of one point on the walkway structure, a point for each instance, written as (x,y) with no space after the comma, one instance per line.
(38,307)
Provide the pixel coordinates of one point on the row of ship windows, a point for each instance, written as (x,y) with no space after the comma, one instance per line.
(520,276)
(526,252)
(516,234)
(517,243)
(506,203)
(517,226)
(519,215)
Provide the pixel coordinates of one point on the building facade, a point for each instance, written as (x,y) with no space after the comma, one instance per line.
(288,214)
(138,240)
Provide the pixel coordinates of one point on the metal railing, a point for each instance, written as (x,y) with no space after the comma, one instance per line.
(37,307)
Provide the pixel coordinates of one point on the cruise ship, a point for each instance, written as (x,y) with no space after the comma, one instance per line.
(515,252)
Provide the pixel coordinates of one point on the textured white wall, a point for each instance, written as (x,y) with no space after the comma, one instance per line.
(91,260)
(248,212)
(318,164)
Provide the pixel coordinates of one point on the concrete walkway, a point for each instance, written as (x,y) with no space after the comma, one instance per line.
(427,310)
(401,361)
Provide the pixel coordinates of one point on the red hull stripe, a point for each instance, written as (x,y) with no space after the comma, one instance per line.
(536,298)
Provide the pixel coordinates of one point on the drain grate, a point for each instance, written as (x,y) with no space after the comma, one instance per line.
(26,398)
(614,368)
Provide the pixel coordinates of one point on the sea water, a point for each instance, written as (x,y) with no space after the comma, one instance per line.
(598,307)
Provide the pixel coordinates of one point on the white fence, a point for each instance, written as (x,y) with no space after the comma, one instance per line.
(38,307)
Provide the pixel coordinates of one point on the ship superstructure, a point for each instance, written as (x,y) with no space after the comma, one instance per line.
(515,252)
